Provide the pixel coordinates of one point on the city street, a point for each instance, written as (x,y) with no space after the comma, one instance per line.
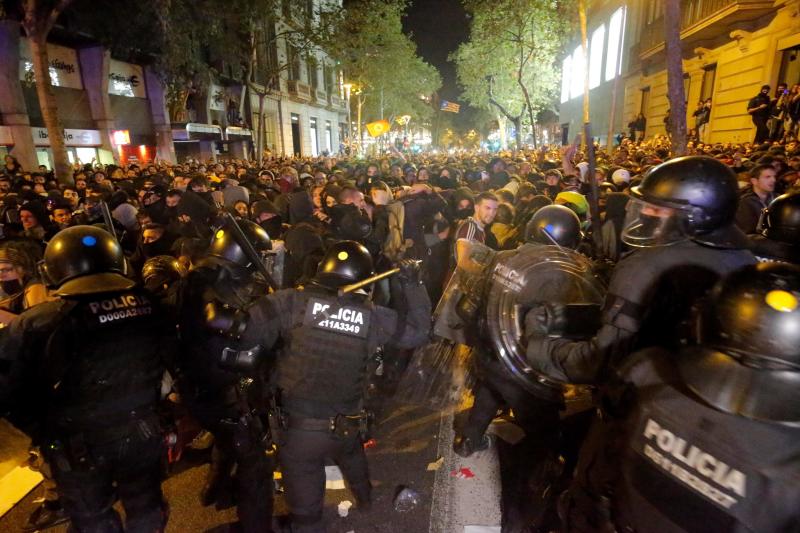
(411,448)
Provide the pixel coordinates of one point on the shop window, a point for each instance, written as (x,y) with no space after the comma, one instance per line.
(328,136)
(578,69)
(566,71)
(312,127)
(790,66)
(645,101)
(616,40)
(709,75)
(596,56)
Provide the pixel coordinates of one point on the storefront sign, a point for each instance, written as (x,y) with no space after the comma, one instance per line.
(65,70)
(6,138)
(121,137)
(71,137)
(126,79)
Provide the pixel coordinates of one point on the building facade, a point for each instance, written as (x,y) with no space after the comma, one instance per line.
(730,49)
(110,110)
(114,111)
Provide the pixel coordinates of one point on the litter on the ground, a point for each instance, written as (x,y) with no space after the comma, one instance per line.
(435,465)
(463,473)
(344,508)
(406,499)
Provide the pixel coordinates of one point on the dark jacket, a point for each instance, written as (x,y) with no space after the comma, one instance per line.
(749,212)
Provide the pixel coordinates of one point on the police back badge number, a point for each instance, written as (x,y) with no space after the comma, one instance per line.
(343,319)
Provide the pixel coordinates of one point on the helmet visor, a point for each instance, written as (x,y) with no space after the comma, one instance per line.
(648,225)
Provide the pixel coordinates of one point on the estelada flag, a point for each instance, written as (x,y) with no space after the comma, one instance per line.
(378,128)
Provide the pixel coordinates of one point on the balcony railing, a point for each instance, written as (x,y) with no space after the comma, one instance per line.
(299,90)
(335,101)
(703,19)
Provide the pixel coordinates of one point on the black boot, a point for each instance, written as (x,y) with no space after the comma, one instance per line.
(363,497)
(47,515)
(219,483)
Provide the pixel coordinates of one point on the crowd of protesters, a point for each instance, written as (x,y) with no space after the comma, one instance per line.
(399,206)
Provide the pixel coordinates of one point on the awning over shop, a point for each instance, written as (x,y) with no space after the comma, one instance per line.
(235,133)
(197,132)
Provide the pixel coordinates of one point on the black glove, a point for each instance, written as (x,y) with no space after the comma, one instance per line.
(409,270)
(545,319)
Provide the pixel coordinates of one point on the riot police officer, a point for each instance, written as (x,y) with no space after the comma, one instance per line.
(85,377)
(228,400)
(681,220)
(545,268)
(551,236)
(705,438)
(779,238)
(327,340)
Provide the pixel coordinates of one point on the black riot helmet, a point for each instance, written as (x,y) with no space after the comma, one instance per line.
(780,221)
(692,197)
(748,360)
(225,244)
(345,262)
(84,260)
(161,271)
(554,223)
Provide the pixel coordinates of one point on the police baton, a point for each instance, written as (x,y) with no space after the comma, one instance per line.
(249,251)
(107,220)
(372,279)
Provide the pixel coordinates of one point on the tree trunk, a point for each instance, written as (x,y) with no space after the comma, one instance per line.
(677,99)
(530,110)
(518,131)
(49,107)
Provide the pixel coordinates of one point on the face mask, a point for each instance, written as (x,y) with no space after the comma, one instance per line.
(272,226)
(159,247)
(464,213)
(10,287)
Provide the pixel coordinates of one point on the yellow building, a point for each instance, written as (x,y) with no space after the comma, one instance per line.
(730,48)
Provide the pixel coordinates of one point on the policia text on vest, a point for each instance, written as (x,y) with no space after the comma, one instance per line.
(694,467)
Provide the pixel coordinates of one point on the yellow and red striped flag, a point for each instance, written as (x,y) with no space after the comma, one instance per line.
(378,128)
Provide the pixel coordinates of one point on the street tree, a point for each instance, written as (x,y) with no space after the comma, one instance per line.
(388,77)
(191,42)
(675,92)
(508,64)
(37,18)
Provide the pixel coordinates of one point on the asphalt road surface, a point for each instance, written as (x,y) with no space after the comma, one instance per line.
(412,448)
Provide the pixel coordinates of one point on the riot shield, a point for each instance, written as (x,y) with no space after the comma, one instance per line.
(531,275)
(457,314)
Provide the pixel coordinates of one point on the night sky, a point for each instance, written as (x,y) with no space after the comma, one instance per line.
(438,27)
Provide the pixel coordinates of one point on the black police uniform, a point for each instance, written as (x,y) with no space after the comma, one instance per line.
(320,369)
(704,438)
(85,377)
(674,463)
(227,402)
(535,405)
(652,290)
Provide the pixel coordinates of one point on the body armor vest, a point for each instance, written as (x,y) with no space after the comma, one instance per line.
(321,370)
(688,467)
(104,360)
